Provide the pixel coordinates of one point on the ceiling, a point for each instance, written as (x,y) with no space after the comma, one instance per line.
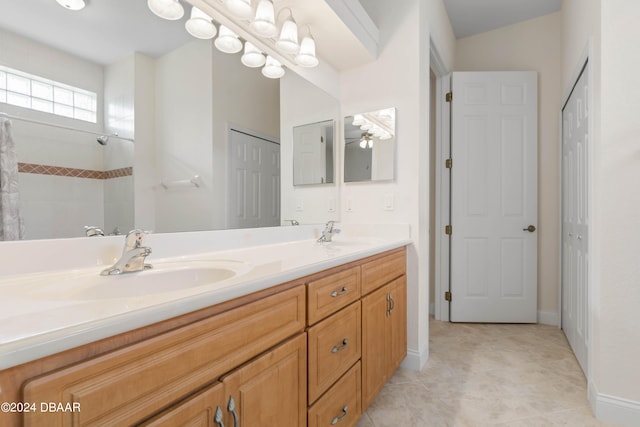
(469,17)
(106,31)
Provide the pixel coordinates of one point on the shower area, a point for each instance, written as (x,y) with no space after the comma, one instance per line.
(70,178)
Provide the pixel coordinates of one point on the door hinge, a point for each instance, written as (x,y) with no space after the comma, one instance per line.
(447,296)
(448,163)
(449,96)
(447,229)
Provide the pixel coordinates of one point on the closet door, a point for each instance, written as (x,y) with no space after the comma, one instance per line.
(575,219)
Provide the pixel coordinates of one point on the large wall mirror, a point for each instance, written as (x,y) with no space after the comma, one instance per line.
(370,140)
(172,105)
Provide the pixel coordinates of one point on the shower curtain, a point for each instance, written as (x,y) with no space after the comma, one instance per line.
(11,227)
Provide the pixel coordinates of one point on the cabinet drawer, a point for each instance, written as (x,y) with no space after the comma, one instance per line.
(340,406)
(129,385)
(196,411)
(334,346)
(382,270)
(329,294)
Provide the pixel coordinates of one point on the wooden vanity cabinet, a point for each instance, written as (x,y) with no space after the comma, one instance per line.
(314,351)
(384,336)
(366,302)
(270,390)
(127,386)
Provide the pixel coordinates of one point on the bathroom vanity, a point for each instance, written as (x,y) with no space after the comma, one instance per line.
(309,351)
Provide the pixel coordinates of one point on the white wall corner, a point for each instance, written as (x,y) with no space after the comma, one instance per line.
(416,359)
(549,318)
(612,409)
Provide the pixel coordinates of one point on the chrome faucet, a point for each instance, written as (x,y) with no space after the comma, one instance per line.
(292,221)
(133,255)
(92,230)
(328,232)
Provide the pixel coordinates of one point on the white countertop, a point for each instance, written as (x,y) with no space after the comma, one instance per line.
(40,316)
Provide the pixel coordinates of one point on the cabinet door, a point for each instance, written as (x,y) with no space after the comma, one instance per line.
(397,323)
(201,410)
(374,343)
(271,390)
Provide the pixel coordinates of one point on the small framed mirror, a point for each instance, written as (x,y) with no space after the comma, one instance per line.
(369,146)
(313,158)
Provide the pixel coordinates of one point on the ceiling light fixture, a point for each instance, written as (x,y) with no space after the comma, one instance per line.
(166,9)
(264,23)
(200,25)
(252,56)
(366,140)
(240,8)
(273,68)
(288,40)
(228,41)
(72,4)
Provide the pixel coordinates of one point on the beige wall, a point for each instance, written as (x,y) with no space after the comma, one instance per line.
(532,45)
(616,210)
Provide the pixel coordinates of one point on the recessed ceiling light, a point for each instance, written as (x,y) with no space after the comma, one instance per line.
(72,4)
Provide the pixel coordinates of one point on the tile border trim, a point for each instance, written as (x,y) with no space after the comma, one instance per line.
(34,168)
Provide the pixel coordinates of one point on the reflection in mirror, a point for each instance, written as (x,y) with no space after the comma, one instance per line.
(181,100)
(313,157)
(369,146)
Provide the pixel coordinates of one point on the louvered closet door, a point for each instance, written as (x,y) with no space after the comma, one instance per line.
(575,219)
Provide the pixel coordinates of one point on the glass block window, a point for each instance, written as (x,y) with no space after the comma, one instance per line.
(37,93)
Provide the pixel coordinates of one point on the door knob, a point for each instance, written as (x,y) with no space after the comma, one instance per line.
(530,228)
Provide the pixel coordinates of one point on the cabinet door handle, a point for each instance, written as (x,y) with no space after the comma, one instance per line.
(392,302)
(339,418)
(231,407)
(217,417)
(388,312)
(337,348)
(340,292)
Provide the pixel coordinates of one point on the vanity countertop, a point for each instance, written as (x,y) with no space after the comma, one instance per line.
(41,315)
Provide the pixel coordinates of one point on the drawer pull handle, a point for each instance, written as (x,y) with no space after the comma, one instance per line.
(336,420)
(217,417)
(232,408)
(337,348)
(340,292)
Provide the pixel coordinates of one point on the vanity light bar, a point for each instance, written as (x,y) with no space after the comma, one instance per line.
(262,24)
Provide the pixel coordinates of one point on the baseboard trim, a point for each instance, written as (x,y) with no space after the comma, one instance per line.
(415,360)
(549,318)
(612,409)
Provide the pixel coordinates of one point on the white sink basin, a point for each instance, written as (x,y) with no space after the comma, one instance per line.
(164,277)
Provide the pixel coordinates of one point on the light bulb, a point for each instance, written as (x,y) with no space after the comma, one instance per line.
(200,25)
(307,55)
(288,40)
(273,68)
(166,9)
(264,23)
(228,41)
(240,8)
(252,56)
(72,4)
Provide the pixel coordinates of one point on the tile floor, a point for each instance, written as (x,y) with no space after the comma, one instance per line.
(487,375)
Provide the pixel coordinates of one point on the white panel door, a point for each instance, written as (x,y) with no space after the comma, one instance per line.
(309,155)
(254,181)
(494,197)
(575,219)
